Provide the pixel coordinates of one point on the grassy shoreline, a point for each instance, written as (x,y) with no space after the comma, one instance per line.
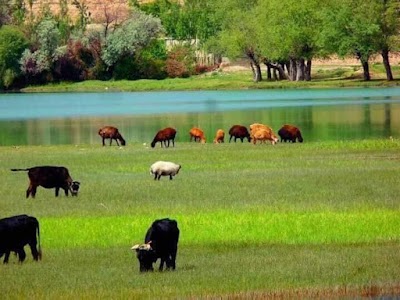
(323,77)
(319,218)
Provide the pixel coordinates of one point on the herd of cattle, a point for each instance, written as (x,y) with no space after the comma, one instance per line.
(257,132)
(161,240)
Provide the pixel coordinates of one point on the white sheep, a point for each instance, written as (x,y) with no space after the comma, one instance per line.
(164,168)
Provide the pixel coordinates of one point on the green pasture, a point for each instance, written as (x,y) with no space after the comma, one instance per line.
(322,77)
(256,220)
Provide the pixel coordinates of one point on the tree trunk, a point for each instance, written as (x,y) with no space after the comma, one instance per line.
(269,71)
(308,70)
(386,63)
(255,66)
(365,66)
(300,69)
(292,69)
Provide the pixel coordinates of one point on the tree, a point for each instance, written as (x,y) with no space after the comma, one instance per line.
(12,44)
(350,28)
(47,40)
(132,35)
(238,35)
(288,35)
(388,20)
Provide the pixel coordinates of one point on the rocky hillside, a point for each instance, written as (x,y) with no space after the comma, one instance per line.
(100,10)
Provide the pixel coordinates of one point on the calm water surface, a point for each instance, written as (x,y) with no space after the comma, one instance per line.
(74,118)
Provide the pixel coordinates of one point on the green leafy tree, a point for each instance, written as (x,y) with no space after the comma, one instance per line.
(131,36)
(238,35)
(12,44)
(350,28)
(387,14)
(47,41)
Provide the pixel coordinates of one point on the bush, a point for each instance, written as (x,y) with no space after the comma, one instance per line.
(180,62)
(12,44)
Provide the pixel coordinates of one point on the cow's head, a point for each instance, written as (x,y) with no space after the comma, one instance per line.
(75,188)
(145,255)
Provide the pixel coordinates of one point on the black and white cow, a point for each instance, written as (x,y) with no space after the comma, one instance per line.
(50,177)
(161,241)
(15,233)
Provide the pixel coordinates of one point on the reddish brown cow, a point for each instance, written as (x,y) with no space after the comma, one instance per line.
(239,131)
(112,133)
(50,177)
(197,135)
(164,136)
(290,133)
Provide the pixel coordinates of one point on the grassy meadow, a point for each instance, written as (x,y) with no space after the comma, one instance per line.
(323,76)
(313,219)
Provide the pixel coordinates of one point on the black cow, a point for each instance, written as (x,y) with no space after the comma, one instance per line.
(15,233)
(161,241)
(50,177)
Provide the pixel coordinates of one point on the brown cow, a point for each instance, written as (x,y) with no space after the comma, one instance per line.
(239,131)
(112,133)
(197,135)
(219,136)
(290,133)
(50,177)
(164,136)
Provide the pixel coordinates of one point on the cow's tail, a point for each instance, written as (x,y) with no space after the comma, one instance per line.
(39,247)
(20,169)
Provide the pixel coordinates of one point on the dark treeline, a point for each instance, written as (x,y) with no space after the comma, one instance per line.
(282,36)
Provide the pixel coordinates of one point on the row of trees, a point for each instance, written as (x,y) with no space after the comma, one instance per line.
(282,35)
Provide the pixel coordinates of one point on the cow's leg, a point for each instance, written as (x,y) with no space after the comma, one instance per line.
(155,176)
(116,140)
(170,177)
(31,190)
(173,258)
(103,141)
(66,191)
(162,263)
(21,254)
(6,257)
(34,251)
(57,191)
(111,141)
(173,143)
(159,176)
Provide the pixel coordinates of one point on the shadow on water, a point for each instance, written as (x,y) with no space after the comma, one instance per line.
(74,118)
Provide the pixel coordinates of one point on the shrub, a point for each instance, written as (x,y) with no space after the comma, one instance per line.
(12,44)
(180,62)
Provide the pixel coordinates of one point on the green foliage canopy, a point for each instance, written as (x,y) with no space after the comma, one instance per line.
(137,32)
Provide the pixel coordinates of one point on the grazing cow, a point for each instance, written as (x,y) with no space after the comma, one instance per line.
(239,131)
(164,168)
(50,177)
(262,135)
(161,241)
(112,133)
(197,135)
(290,133)
(219,136)
(164,136)
(15,233)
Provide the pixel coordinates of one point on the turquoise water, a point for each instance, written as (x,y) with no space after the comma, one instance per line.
(74,118)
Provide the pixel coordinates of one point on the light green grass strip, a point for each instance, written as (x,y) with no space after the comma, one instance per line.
(225,227)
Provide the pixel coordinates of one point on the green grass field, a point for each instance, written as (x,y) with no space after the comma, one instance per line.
(323,77)
(290,220)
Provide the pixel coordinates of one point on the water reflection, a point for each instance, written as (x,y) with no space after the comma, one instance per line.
(354,116)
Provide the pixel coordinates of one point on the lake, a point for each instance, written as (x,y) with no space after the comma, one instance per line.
(74,118)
